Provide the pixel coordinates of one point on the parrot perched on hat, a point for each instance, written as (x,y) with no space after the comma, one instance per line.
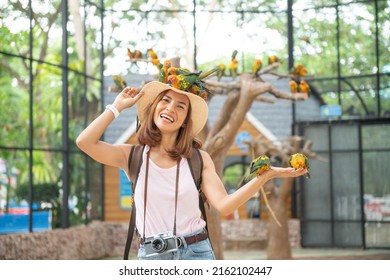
(299,160)
(120,83)
(163,77)
(256,67)
(185,79)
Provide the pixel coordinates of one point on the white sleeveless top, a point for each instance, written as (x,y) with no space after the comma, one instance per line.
(160,204)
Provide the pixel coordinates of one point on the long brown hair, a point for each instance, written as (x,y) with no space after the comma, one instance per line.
(149,134)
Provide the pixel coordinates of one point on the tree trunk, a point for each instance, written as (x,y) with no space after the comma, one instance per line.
(279,247)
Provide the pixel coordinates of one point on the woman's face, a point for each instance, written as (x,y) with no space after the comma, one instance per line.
(171,111)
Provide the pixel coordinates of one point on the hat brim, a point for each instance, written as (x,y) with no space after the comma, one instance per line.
(199,108)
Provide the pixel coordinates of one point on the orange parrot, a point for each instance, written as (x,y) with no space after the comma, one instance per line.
(304,87)
(293,86)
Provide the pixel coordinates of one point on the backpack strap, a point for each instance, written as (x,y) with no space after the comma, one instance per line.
(195,163)
(134,166)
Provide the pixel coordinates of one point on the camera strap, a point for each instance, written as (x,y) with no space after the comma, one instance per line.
(146,191)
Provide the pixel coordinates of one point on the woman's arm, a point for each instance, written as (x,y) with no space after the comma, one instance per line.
(225,203)
(106,153)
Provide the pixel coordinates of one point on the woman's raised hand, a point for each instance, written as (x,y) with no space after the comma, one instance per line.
(127,98)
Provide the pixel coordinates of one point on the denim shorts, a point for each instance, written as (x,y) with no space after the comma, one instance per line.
(201,250)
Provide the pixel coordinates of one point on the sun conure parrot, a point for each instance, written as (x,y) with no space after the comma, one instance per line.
(221,71)
(293,86)
(120,83)
(132,56)
(304,87)
(298,70)
(178,71)
(299,160)
(163,77)
(186,80)
(272,59)
(256,67)
(234,54)
(257,167)
(156,62)
(233,68)
(152,54)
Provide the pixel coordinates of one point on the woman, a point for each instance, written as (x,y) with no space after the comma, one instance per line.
(170,120)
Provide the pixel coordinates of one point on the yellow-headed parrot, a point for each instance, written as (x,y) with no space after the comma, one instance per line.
(299,160)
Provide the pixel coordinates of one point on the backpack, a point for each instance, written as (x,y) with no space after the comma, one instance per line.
(134,164)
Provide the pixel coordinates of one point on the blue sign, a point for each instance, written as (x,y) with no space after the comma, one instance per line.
(13,223)
(125,191)
(331,111)
(241,139)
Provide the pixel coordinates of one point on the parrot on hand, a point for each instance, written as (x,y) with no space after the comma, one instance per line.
(258,166)
(120,83)
(221,71)
(233,68)
(300,161)
(256,67)
(293,86)
(304,87)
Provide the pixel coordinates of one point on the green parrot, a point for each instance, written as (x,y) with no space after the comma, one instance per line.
(258,166)
(119,82)
(234,54)
(187,79)
(221,71)
(300,161)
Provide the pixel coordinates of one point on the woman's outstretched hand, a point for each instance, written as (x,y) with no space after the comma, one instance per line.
(284,172)
(127,98)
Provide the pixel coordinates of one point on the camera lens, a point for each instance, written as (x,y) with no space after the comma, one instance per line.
(159,244)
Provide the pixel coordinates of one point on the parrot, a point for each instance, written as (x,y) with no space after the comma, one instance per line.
(156,62)
(234,54)
(258,166)
(256,67)
(152,54)
(300,161)
(272,59)
(119,82)
(233,68)
(178,71)
(298,70)
(187,79)
(132,56)
(293,86)
(221,71)
(304,87)
(163,77)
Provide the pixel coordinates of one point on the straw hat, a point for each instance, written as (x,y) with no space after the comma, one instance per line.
(199,109)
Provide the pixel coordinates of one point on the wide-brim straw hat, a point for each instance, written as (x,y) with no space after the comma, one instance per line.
(199,108)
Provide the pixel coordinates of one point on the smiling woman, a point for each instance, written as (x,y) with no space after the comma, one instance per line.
(166,206)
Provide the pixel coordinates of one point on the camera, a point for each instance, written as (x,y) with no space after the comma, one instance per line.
(160,244)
